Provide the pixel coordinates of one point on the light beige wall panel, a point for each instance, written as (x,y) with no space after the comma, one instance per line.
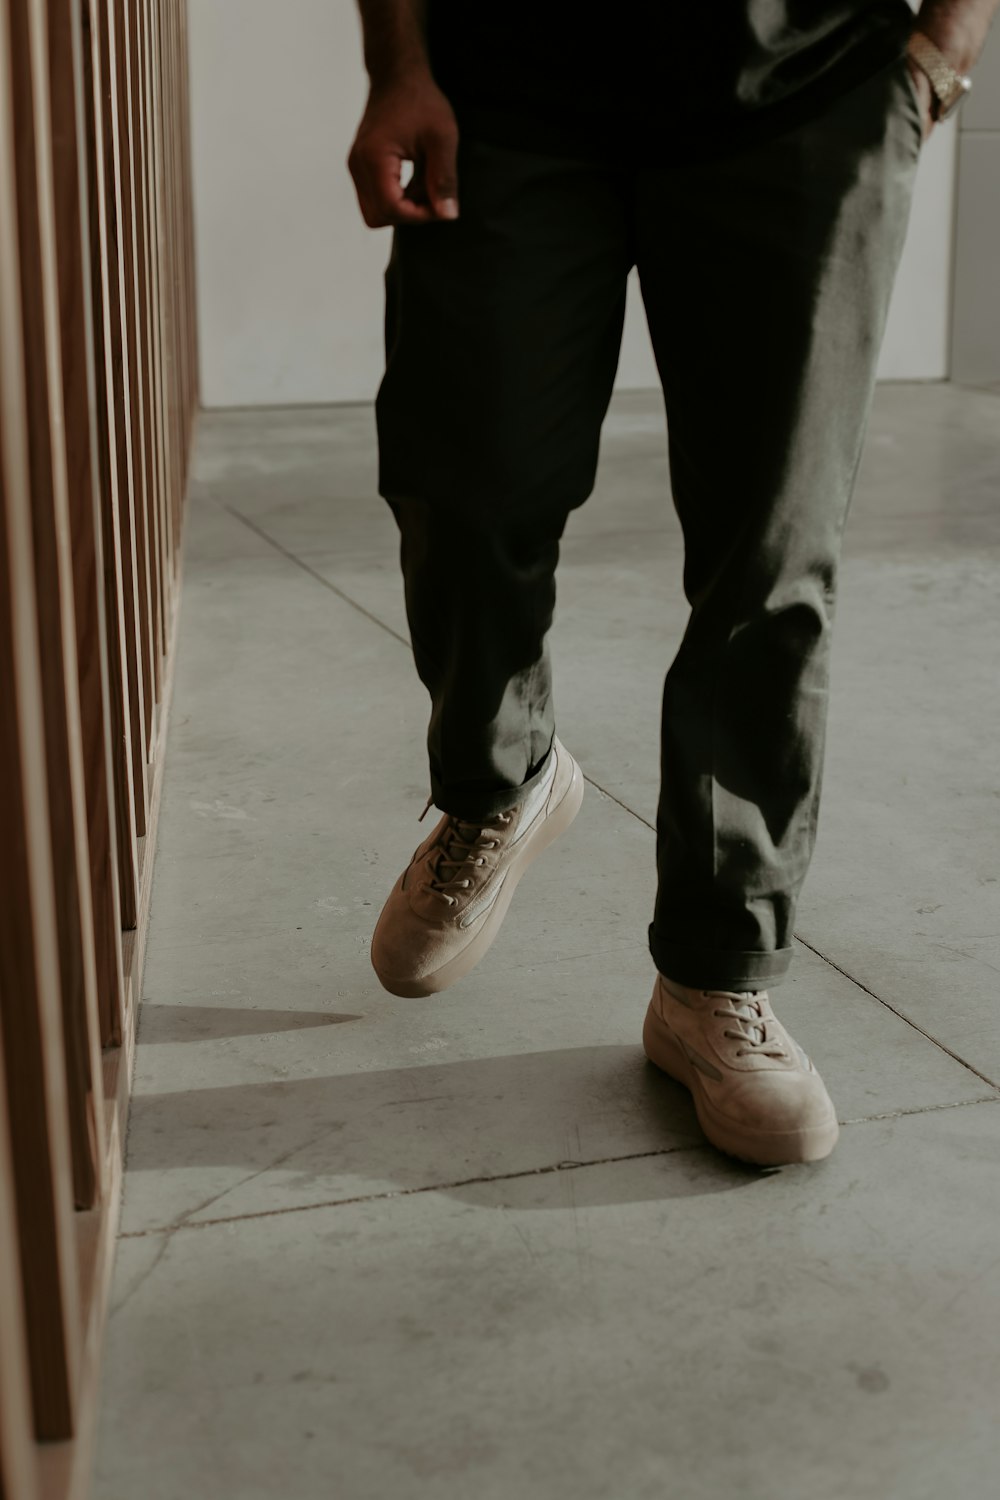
(975,355)
(982,110)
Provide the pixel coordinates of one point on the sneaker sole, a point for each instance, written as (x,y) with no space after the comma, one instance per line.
(552,825)
(762,1148)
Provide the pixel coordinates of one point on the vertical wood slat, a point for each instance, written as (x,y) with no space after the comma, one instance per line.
(98,391)
(178,218)
(91,962)
(141,13)
(163,276)
(76,324)
(171,301)
(187,212)
(163,291)
(132,116)
(18,1464)
(114,250)
(149,313)
(184,216)
(144,316)
(56,605)
(130,250)
(114,469)
(34,1052)
(36,1085)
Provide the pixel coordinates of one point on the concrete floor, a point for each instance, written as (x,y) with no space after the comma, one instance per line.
(474,1246)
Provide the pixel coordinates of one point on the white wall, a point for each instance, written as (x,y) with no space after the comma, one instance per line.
(975,320)
(289,278)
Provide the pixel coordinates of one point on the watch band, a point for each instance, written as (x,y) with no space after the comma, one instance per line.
(950,87)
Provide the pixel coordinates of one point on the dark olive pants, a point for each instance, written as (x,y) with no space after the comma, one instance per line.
(766,278)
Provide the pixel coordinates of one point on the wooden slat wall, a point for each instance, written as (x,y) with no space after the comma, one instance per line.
(97,404)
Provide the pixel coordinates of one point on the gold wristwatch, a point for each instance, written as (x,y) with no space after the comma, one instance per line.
(949,87)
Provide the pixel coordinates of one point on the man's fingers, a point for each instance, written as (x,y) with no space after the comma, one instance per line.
(400,126)
(925,95)
(440,172)
(380,191)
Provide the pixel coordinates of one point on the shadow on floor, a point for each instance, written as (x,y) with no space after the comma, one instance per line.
(205,1023)
(530,1120)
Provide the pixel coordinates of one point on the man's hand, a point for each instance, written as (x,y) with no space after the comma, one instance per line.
(407,119)
(925,94)
(958,28)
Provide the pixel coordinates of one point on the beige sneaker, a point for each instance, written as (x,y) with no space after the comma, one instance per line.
(757,1095)
(446,908)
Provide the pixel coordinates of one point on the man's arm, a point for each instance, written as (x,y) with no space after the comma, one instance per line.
(407,118)
(959,29)
(395,34)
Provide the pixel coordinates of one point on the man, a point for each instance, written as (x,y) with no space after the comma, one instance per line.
(755,161)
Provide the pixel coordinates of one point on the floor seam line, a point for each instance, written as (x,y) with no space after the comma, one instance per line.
(922,1109)
(299,562)
(523,1173)
(411,1192)
(619,803)
(902,1016)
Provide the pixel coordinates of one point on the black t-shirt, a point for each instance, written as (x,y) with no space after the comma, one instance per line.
(658,80)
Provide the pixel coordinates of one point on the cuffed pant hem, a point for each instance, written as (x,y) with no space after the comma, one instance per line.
(716,969)
(473,806)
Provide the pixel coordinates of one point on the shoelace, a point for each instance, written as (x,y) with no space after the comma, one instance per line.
(461,847)
(753,1027)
